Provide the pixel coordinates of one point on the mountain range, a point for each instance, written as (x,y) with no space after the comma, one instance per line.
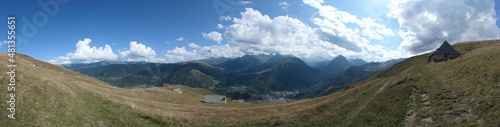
(346,77)
(333,66)
(247,77)
(458,92)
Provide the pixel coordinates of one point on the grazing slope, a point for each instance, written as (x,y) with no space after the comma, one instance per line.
(459,92)
(345,78)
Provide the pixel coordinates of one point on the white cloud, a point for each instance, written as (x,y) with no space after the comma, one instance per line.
(220,26)
(284,5)
(425,25)
(3,43)
(314,3)
(86,54)
(138,51)
(214,36)
(179,39)
(225,18)
(193,45)
(374,30)
(244,2)
(181,54)
(336,20)
(256,33)
(156,60)
(221,51)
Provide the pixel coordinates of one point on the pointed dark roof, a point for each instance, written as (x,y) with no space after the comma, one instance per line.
(446,48)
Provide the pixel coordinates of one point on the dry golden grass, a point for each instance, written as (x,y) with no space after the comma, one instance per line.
(59,85)
(47,97)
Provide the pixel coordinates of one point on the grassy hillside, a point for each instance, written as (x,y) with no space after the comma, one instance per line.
(459,92)
(345,78)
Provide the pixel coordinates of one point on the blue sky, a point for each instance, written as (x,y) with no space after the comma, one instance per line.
(180,30)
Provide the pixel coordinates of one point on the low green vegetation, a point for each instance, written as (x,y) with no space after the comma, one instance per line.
(458,92)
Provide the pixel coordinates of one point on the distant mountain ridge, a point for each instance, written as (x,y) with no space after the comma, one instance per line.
(346,77)
(259,74)
(241,78)
(289,72)
(213,60)
(97,64)
(242,63)
(336,64)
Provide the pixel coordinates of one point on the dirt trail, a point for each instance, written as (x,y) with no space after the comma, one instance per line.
(411,115)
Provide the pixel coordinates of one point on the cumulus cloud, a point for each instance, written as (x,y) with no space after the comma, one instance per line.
(138,51)
(86,54)
(220,26)
(193,45)
(179,39)
(374,30)
(214,36)
(336,20)
(284,5)
(425,25)
(256,33)
(329,36)
(3,43)
(225,18)
(181,54)
(221,51)
(244,2)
